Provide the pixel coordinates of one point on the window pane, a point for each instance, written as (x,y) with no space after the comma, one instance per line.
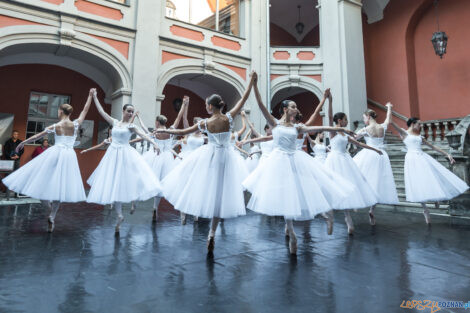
(31,126)
(42,110)
(33,104)
(56,101)
(198,12)
(229,18)
(39,127)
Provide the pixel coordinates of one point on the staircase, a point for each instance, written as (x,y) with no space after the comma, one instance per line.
(396,151)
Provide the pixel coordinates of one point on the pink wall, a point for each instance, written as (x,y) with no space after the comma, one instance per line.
(401,65)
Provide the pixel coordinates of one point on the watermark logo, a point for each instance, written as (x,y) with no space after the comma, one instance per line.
(434,306)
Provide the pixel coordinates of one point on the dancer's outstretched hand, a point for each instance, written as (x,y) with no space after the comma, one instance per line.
(451,159)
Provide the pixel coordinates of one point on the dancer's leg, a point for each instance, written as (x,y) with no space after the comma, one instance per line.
(120,218)
(292,237)
(349,221)
(330,218)
(427,217)
(210,240)
(371,215)
(183,218)
(132,207)
(156,202)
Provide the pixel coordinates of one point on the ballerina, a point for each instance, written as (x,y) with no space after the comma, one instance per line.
(122,175)
(340,162)
(426,180)
(192,141)
(374,167)
(318,147)
(208,182)
(162,160)
(253,157)
(289,183)
(54,176)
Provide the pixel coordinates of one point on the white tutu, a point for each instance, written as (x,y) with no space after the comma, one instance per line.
(340,162)
(377,170)
(426,180)
(290,183)
(266,148)
(54,175)
(122,175)
(319,153)
(163,162)
(208,182)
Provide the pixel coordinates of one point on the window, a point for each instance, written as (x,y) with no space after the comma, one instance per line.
(42,111)
(219,15)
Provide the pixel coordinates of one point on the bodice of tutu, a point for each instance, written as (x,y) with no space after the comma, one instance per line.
(194,142)
(121,134)
(376,142)
(299,142)
(339,143)
(413,143)
(266,147)
(319,150)
(65,141)
(220,140)
(164,144)
(285,138)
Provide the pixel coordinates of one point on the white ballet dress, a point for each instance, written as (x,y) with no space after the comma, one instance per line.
(53,175)
(253,160)
(377,169)
(292,184)
(163,162)
(426,180)
(319,151)
(299,143)
(266,148)
(339,161)
(192,143)
(207,183)
(122,175)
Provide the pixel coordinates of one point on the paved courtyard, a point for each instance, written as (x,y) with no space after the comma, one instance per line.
(82,267)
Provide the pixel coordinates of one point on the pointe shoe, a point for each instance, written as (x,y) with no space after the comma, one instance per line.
(118,225)
(286,231)
(183,219)
(293,244)
(210,244)
(427,217)
(350,226)
(154,216)
(50,225)
(371,218)
(132,210)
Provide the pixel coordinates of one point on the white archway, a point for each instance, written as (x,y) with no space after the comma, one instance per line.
(84,54)
(303,82)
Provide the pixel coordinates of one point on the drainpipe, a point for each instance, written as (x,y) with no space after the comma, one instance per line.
(268,57)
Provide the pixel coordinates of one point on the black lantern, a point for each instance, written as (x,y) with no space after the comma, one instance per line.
(299,26)
(439,39)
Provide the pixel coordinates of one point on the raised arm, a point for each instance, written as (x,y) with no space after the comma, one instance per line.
(181,112)
(178,132)
(145,137)
(247,136)
(318,109)
(388,119)
(102,112)
(242,151)
(242,130)
(363,145)
(330,109)
(185,116)
(252,128)
(237,108)
(142,125)
(269,118)
(447,155)
(400,130)
(84,112)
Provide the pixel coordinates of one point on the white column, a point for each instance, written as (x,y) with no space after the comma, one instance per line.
(342,47)
(146,59)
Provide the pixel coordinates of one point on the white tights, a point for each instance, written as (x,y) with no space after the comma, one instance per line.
(214,224)
(53,206)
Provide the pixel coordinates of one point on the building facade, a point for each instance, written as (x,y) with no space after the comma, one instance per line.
(152,52)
